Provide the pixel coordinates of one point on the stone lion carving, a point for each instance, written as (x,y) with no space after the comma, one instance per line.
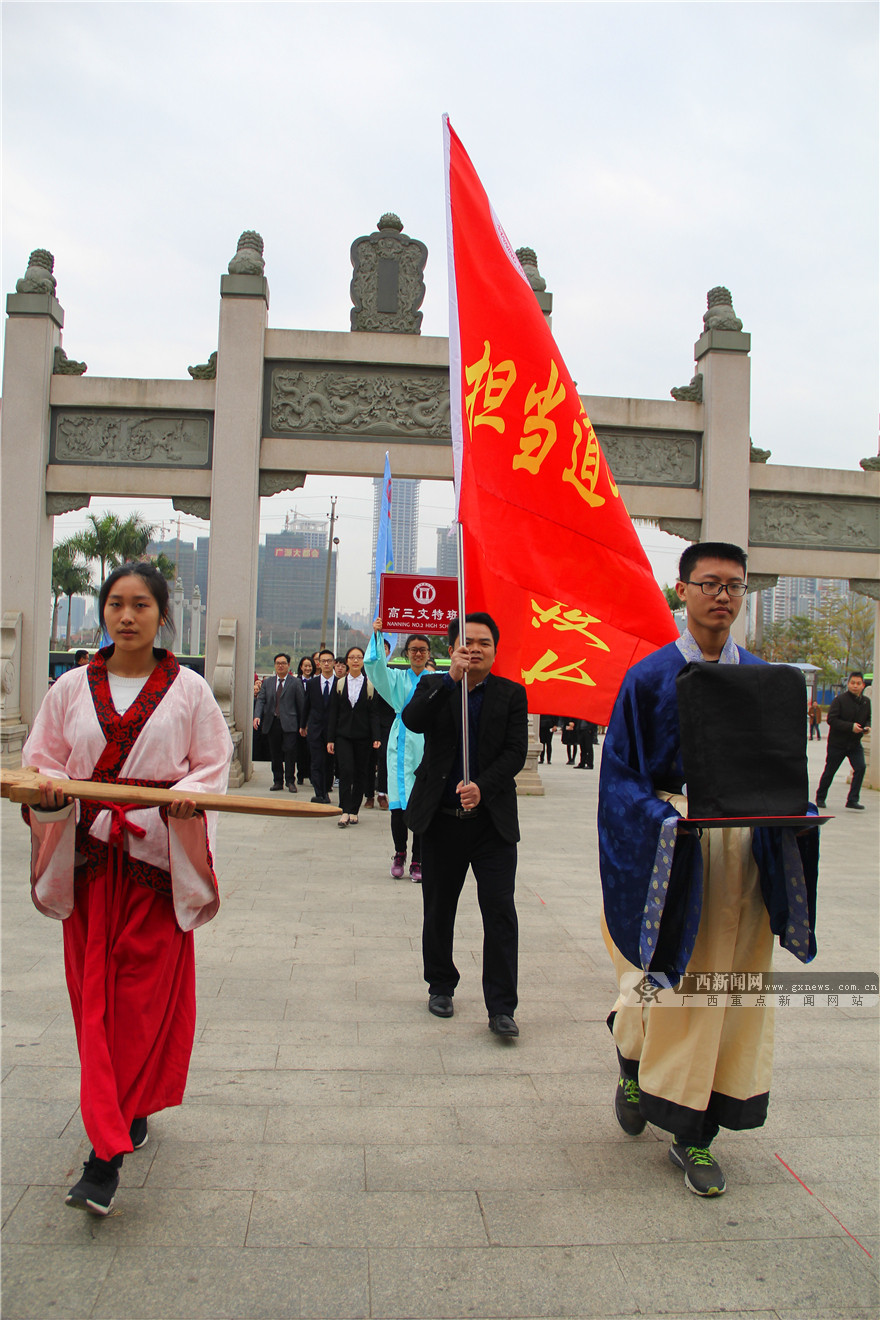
(528,259)
(248,259)
(38,277)
(720,314)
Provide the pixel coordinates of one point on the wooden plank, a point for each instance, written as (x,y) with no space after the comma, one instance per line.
(23,786)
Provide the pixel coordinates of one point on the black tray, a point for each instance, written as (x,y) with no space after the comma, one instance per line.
(746,822)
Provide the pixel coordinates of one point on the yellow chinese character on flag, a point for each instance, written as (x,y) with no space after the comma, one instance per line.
(539,433)
(586,462)
(571,620)
(542,671)
(495,383)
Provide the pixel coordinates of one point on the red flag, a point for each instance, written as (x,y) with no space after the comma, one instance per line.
(549,548)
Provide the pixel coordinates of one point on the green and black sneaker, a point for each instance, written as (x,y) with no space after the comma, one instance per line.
(626,1107)
(702,1173)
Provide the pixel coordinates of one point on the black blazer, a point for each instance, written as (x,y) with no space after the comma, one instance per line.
(292,704)
(355,722)
(435,710)
(315,713)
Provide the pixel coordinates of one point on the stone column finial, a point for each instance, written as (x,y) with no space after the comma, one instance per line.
(387,287)
(248,259)
(719,314)
(529,262)
(38,278)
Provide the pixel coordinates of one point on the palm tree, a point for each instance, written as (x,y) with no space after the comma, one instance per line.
(70,577)
(135,534)
(112,540)
(165,566)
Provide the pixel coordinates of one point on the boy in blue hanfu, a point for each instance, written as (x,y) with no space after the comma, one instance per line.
(677,900)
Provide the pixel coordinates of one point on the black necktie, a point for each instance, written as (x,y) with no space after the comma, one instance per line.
(279,688)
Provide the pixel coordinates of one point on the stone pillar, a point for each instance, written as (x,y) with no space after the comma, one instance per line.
(871,741)
(528,781)
(177,613)
(722,357)
(12,731)
(195,621)
(33,332)
(235,477)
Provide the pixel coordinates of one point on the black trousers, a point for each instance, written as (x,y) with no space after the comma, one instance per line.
(303,760)
(352,760)
(834,758)
(449,846)
(318,761)
(400,833)
(586,761)
(282,753)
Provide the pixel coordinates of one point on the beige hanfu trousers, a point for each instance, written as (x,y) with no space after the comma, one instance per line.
(701,1068)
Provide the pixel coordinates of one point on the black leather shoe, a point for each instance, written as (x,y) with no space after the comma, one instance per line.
(855,806)
(503,1025)
(291,788)
(820,805)
(276,788)
(440,1005)
(325,800)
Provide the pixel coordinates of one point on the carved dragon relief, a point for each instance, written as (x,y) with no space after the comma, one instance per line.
(331,402)
(814,522)
(130,438)
(651,458)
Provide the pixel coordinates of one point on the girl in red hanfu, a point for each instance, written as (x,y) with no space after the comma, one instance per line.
(129,884)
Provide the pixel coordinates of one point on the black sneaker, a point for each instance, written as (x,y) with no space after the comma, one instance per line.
(96,1188)
(702,1173)
(138,1133)
(626,1107)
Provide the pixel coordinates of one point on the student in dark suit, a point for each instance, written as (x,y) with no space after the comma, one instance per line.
(352,731)
(473,824)
(314,723)
(278,711)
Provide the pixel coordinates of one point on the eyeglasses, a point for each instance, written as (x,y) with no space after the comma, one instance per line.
(733,589)
(417,650)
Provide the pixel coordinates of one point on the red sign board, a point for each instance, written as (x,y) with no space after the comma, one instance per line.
(409,603)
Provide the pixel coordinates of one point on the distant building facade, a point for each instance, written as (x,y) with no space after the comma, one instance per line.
(292,575)
(447,552)
(404,528)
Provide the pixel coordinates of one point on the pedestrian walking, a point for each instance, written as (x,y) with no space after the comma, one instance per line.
(129,885)
(547,726)
(849,717)
(814,714)
(471,824)
(352,728)
(405,748)
(304,671)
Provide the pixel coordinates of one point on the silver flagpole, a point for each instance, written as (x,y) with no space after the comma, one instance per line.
(465,741)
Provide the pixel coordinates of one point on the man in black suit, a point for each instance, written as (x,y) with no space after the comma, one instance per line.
(278,711)
(469,824)
(314,723)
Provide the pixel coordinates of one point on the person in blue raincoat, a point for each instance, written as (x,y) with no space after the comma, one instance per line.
(405,748)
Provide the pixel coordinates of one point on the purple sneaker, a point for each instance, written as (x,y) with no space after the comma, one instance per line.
(415,872)
(397,862)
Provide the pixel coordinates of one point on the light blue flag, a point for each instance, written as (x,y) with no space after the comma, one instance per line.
(384,548)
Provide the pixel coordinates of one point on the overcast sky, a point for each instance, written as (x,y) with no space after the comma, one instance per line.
(646,151)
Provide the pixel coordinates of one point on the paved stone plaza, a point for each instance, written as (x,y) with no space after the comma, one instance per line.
(343,1154)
